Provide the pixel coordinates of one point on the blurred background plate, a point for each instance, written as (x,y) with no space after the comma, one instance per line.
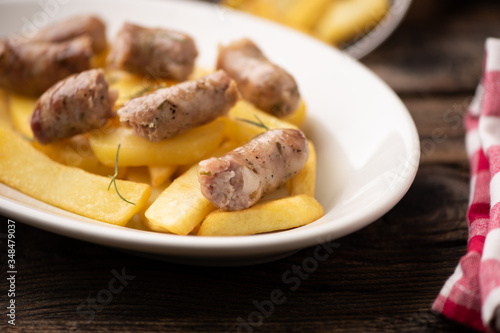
(355,26)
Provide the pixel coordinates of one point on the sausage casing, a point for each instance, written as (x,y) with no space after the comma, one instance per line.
(73,106)
(266,85)
(74,27)
(240,178)
(158,53)
(174,110)
(32,68)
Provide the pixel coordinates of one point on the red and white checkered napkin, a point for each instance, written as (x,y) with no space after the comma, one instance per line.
(471,295)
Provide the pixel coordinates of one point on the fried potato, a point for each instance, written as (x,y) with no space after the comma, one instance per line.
(21,109)
(344,20)
(5,119)
(238,127)
(298,117)
(305,181)
(280,214)
(142,175)
(160,175)
(182,206)
(303,14)
(186,148)
(76,152)
(31,172)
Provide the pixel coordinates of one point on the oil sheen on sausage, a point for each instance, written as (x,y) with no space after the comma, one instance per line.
(73,106)
(174,110)
(157,53)
(240,178)
(74,27)
(32,68)
(266,85)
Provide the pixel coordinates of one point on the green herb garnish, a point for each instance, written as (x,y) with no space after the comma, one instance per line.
(205,173)
(113,178)
(259,124)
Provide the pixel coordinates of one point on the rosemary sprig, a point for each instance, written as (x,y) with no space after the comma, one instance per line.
(141,92)
(113,178)
(146,90)
(259,124)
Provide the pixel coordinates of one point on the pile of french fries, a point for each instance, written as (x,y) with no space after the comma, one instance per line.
(155,182)
(333,21)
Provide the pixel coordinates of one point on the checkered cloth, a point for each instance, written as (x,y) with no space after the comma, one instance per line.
(471,295)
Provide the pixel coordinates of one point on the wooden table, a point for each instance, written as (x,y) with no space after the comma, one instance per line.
(383,278)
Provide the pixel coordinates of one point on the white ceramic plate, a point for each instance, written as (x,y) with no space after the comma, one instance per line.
(368,147)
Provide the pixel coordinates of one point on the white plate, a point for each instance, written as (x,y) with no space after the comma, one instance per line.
(368,147)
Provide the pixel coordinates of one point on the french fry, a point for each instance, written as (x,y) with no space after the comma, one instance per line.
(5,119)
(142,175)
(186,148)
(263,217)
(303,14)
(76,152)
(240,130)
(305,181)
(182,206)
(298,117)
(346,19)
(160,175)
(31,172)
(21,108)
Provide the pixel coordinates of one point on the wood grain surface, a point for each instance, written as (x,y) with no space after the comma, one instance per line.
(383,278)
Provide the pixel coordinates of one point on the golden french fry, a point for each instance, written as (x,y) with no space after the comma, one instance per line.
(181,207)
(141,175)
(160,175)
(21,108)
(343,20)
(186,148)
(185,194)
(76,152)
(305,181)
(303,14)
(238,128)
(31,172)
(298,117)
(263,217)
(5,119)
(225,147)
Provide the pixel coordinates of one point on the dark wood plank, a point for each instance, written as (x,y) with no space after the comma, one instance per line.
(439,51)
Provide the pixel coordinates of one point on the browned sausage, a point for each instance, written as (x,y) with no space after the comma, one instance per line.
(159,53)
(32,68)
(174,110)
(238,179)
(73,106)
(266,85)
(73,27)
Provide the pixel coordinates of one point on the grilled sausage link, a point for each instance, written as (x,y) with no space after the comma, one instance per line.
(73,106)
(32,68)
(74,27)
(266,85)
(159,53)
(240,178)
(174,110)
